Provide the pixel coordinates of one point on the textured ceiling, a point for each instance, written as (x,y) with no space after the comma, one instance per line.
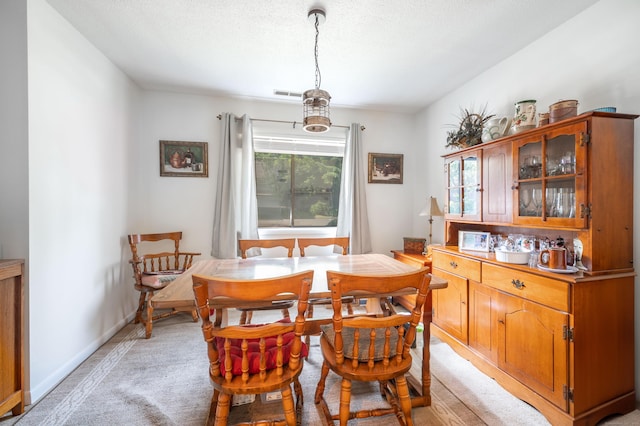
(376,54)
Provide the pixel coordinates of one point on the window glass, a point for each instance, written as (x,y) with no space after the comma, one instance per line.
(298,177)
(297,190)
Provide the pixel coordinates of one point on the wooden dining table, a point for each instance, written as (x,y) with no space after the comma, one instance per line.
(179,293)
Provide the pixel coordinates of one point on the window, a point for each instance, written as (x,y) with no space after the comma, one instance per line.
(298,179)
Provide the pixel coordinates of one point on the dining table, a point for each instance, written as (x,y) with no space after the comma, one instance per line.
(179,293)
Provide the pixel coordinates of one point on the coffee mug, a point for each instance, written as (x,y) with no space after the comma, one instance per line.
(554,258)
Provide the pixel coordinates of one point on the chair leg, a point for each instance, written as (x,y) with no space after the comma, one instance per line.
(212,408)
(345,401)
(246,317)
(222,411)
(309,310)
(319,397)
(149,321)
(285,313)
(141,303)
(297,389)
(349,309)
(194,315)
(307,338)
(307,341)
(405,400)
(288,407)
(321,382)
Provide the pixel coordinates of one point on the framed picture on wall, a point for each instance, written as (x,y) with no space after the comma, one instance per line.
(385,168)
(188,159)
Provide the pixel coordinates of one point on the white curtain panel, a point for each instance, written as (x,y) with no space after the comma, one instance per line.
(353,220)
(236,207)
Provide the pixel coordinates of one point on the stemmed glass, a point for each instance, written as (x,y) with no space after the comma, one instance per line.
(525,200)
(551,199)
(536,166)
(536,199)
(572,204)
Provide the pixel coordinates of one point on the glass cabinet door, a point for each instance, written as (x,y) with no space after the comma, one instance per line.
(550,180)
(463,186)
(453,205)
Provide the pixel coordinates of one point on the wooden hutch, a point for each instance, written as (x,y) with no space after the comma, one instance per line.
(563,342)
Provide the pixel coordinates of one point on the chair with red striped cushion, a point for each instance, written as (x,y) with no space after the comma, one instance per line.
(250,359)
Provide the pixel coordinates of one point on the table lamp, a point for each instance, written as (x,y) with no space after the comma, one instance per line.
(431,210)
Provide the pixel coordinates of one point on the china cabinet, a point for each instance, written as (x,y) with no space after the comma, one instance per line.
(11,336)
(563,342)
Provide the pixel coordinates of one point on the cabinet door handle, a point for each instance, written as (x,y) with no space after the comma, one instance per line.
(453,264)
(517,284)
(501,321)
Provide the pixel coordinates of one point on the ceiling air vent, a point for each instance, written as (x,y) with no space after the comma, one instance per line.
(287,93)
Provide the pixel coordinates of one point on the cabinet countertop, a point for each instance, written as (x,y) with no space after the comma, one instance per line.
(491,258)
(419,257)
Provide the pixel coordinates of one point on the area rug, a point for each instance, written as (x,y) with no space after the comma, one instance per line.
(164,381)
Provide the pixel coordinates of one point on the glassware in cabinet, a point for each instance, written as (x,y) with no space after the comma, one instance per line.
(550,184)
(463,186)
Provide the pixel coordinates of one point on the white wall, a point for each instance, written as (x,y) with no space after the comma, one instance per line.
(592,58)
(82,119)
(14,135)
(166,203)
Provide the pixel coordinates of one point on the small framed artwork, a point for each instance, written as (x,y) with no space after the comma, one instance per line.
(474,241)
(189,159)
(385,168)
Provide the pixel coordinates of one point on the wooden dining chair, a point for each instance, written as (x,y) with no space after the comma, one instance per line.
(157,261)
(253,359)
(245,247)
(343,243)
(371,349)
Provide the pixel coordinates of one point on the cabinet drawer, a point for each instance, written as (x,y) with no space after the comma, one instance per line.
(462,266)
(545,291)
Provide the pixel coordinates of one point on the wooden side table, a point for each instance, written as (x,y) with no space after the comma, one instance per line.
(417,260)
(12,336)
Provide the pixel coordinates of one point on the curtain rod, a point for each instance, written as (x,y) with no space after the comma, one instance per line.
(219,116)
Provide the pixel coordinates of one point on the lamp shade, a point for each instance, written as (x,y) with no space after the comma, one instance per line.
(315,112)
(431,208)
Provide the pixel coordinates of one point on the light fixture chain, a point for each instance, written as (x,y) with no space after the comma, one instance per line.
(318,75)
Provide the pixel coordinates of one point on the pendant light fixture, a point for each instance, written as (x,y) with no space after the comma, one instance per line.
(315,102)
